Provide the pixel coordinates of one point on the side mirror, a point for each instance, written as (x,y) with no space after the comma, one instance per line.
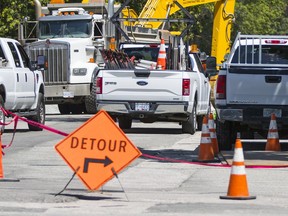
(3,62)
(211,66)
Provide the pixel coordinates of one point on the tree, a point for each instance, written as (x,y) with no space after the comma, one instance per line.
(11,14)
(261,17)
(251,17)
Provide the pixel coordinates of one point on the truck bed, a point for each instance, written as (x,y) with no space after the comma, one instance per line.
(244,86)
(137,85)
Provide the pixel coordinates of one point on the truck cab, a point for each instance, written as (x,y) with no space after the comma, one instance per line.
(21,85)
(70,36)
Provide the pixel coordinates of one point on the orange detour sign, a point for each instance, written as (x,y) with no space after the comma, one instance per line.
(96,149)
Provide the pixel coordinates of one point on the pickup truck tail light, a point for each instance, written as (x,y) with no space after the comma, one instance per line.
(186,87)
(99,85)
(221,87)
(273,41)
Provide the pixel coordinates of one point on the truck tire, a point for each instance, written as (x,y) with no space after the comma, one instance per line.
(90,101)
(40,114)
(2,115)
(226,135)
(64,109)
(125,122)
(190,125)
(76,108)
(199,122)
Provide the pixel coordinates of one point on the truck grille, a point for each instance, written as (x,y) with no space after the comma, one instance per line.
(57,57)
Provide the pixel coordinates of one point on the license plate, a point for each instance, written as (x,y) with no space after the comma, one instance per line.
(68,94)
(142,107)
(267,112)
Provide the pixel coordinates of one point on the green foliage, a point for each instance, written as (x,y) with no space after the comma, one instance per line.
(201,31)
(11,14)
(261,17)
(251,17)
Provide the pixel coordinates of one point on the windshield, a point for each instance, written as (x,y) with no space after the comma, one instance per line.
(65,28)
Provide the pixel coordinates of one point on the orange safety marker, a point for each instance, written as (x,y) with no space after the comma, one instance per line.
(206,152)
(161,61)
(238,188)
(273,136)
(2,179)
(1,156)
(213,136)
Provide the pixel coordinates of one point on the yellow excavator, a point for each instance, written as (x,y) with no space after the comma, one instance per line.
(162,9)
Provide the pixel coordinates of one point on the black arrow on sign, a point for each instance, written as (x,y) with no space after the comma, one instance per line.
(105,162)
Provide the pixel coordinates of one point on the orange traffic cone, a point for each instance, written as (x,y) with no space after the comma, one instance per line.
(273,137)
(1,155)
(213,136)
(2,179)
(161,61)
(206,152)
(238,188)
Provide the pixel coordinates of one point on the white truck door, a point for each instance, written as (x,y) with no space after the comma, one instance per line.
(204,86)
(7,75)
(25,92)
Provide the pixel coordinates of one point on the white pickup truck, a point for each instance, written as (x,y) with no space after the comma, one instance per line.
(252,84)
(21,85)
(155,95)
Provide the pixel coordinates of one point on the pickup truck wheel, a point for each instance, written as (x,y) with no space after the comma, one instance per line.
(199,122)
(64,109)
(190,125)
(125,122)
(90,101)
(226,135)
(40,114)
(2,115)
(76,108)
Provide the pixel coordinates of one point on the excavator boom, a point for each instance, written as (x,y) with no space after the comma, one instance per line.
(162,9)
(165,8)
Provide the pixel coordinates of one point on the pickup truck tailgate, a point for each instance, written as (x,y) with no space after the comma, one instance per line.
(142,85)
(242,86)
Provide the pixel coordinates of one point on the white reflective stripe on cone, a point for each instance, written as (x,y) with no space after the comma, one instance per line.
(205,140)
(273,124)
(238,170)
(238,155)
(273,135)
(162,55)
(213,135)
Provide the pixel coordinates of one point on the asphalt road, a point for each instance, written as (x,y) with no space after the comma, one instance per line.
(34,174)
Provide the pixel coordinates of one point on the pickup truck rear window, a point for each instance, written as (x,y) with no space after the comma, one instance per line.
(146,53)
(265,54)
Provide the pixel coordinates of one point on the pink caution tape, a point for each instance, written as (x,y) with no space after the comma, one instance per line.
(15,120)
(37,124)
(211,164)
